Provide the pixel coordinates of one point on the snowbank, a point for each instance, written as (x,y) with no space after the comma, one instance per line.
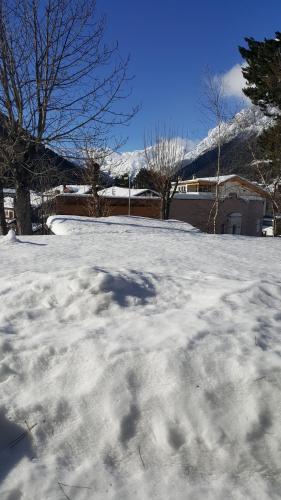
(9,238)
(139,360)
(75,224)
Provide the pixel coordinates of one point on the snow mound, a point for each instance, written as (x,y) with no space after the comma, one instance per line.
(10,237)
(70,296)
(140,360)
(73,224)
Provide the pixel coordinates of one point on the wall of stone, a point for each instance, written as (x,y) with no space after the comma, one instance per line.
(200,214)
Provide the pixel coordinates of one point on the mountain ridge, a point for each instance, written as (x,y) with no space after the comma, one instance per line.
(238,136)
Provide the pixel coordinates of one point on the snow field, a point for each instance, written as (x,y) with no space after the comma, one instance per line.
(147,355)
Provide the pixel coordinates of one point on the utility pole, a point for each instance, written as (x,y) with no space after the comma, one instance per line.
(129,208)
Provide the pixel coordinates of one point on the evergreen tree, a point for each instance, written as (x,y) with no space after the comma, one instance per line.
(144,180)
(262,73)
(269,169)
(121,180)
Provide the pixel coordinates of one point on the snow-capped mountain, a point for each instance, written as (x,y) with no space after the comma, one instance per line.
(250,121)
(118,164)
(247,123)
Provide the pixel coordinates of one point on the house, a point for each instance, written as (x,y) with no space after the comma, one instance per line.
(9,208)
(77,200)
(69,188)
(9,205)
(120,192)
(241,204)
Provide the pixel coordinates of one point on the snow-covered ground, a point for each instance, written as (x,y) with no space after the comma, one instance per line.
(139,359)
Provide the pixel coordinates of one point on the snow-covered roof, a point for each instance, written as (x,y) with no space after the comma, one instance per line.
(70,188)
(8,191)
(195,195)
(121,192)
(220,179)
(8,202)
(35,200)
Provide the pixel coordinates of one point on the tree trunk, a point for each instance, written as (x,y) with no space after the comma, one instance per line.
(170,195)
(3,225)
(22,209)
(217,200)
(168,203)
(163,208)
(167,209)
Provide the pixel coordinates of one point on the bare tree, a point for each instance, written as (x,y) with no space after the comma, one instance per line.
(214,103)
(164,153)
(57,78)
(93,176)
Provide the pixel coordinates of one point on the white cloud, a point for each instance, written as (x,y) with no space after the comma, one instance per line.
(186,144)
(233,82)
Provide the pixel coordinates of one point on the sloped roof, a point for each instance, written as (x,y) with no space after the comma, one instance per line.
(35,200)
(222,179)
(121,192)
(8,202)
(70,188)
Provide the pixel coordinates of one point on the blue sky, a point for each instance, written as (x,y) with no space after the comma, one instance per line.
(171,42)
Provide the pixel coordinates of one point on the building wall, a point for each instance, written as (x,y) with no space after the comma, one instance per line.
(79,205)
(197,212)
(227,188)
(194,211)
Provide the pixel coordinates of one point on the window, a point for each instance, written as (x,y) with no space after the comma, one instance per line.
(192,188)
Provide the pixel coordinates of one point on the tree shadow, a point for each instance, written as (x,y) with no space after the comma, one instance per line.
(15,444)
(32,243)
(125,288)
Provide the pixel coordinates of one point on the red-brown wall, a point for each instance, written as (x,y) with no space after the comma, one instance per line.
(79,205)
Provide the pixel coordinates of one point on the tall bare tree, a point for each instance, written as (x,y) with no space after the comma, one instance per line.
(93,176)
(57,78)
(214,103)
(164,153)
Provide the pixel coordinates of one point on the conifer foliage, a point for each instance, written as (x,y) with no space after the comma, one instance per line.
(262,73)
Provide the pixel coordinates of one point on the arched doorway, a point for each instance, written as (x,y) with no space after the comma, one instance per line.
(234,223)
